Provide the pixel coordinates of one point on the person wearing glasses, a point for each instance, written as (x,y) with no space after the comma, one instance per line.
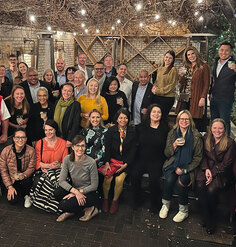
(99,74)
(80,195)
(17,166)
(183,151)
(32,85)
(12,72)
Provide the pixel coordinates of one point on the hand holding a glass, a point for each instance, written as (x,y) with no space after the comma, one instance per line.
(232,65)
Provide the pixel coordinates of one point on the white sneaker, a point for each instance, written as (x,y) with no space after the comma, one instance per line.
(180,216)
(163,212)
(28,202)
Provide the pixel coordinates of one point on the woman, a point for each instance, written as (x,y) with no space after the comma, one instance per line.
(18,107)
(50,153)
(79,83)
(119,145)
(17,167)
(22,73)
(94,136)
(114,97)
(184,153)
(151,138)
(39,113)
(70,71)
(194,81)
(49,77)
(215,170)
(92,100)
(5,84)
(67,113)
(80,195)
(164,88)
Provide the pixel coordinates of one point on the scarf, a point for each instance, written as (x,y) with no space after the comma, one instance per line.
(60,110)
(18,157)
(122,131)
(183,154)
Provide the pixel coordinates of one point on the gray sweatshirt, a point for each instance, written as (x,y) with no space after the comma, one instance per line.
(84,174)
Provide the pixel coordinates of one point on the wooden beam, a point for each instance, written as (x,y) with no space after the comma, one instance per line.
(182,48)
(121,49)
(92,43)
(165,42)
(107,50)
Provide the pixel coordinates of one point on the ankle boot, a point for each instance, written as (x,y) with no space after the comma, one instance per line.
(114,207)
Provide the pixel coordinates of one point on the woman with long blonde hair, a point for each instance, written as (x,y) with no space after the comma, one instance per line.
(215,170)
(92,100)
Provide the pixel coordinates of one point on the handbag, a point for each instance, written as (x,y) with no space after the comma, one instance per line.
(115,166)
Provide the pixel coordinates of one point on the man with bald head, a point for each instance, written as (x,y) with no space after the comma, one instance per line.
(60,74)
(82,66)
(31,86)
(141,97)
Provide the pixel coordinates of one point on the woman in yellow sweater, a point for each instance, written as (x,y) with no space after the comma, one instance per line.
(164,88)
(92,100)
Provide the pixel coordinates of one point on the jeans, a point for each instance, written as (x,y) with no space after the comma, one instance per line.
(221,109)
(171,182)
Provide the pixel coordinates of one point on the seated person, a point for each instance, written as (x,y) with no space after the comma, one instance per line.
(17,164)
(215,170)
(80,195)
(184,153)
(50,153)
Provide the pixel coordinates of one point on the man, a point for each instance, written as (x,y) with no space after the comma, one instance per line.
(141,96)
(82,66)
(125,84)
(110,69)
(79,87)
(12,72)
(99,74)
(6,86)
(60,75)
(31,86)
(223,85)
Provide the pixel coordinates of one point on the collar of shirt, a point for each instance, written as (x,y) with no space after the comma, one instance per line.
(38,85)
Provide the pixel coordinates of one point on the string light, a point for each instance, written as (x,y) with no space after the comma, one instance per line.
(97,30)
(141,24)
(86,30)
(201,18)
(32,18)
(196,13)
(173,23)
(59,33)
(49,28)
(199,1)
(138,6)
(82,25)
(157,16)
(170,22)
(113,28)
(118,21)
(74,33)
(83,11)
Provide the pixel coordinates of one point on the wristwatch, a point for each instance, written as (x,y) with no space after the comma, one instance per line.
(184,171)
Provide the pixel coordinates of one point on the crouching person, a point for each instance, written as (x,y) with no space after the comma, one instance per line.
(17,164)
(81,194)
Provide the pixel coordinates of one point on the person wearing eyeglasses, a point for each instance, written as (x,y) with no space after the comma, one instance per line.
(17,164)
(32,85)
(79,196)
(184,149)
(12,72)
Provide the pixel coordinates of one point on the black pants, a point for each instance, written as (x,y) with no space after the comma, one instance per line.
(154,172)
(171,182)
(166,104)
(22,188)
(71,205)
(208,200)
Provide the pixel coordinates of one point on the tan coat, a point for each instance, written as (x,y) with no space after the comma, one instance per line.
(8,164)
(199,89)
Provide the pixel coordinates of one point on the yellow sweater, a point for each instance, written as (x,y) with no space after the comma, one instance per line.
(88,105)
(166,84)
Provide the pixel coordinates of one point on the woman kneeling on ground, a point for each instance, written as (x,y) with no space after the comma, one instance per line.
(184,153)
(81,194)
(17,166)
(215,171)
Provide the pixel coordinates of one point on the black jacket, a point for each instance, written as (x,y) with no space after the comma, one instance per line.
(223,86)
(147,98)
(28,96)
(112,145)
(71,121)
(6,88)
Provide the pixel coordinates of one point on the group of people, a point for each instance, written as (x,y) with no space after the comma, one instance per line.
(69,138)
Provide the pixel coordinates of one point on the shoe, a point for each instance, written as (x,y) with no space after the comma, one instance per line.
(105,205)
(180,216)
(64,216)
(114,207)
(163,212)
(28,202)
(89,214)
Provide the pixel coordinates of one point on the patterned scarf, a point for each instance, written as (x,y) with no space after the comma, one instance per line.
(122,131)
